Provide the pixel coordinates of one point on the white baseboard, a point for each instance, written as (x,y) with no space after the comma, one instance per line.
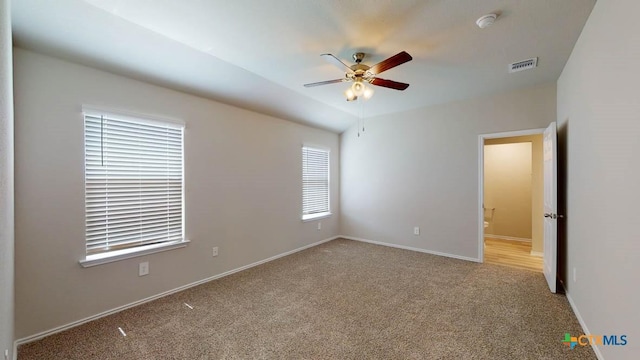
(503,237)
(411,248)
(68,326)
(583,324)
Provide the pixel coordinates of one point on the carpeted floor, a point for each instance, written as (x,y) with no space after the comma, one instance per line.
(340,300)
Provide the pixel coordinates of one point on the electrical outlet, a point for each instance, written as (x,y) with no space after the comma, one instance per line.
(319,225)
(214,253)
(574,274)
(143,268)
(416,230)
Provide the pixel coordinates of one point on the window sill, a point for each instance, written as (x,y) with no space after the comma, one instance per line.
(105,258)
(318,216)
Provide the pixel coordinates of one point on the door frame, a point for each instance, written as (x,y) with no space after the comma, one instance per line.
(481,139)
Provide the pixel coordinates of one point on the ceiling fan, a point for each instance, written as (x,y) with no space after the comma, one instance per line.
(360,73)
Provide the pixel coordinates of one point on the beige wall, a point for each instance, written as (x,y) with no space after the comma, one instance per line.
(242,181)
(537,186)
(420,168)
(6,183)
(599,133)
(507,189)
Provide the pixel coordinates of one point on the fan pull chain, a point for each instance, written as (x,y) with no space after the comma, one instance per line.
(360,118)
(361,114)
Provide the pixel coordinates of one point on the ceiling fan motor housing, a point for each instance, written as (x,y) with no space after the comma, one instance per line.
(359,69)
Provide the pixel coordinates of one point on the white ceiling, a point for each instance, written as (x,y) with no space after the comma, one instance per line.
(257,54)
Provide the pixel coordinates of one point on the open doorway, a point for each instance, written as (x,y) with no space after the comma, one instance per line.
(511,194)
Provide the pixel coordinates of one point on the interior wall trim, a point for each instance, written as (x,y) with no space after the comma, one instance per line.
(481,139)
(504,237)
(438,253)
(582,323)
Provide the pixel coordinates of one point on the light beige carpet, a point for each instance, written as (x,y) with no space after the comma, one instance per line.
(339,300)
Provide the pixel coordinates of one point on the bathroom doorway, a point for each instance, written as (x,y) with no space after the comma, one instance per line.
(512,200)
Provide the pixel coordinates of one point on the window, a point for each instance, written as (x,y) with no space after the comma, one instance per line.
(315,183)
(133,184)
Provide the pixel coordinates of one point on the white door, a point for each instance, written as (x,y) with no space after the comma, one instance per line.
(550,156)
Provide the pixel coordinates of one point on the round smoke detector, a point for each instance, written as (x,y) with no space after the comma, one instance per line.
(486,20)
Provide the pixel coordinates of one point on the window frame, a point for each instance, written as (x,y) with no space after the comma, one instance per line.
(134,251)
(321,215)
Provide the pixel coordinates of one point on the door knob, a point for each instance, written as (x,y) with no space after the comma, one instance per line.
(547,215)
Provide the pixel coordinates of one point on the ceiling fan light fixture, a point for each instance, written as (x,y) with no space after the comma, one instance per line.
(368,93)
(358,88)
(350,95)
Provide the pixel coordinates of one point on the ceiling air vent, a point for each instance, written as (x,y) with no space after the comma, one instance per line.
(523,65)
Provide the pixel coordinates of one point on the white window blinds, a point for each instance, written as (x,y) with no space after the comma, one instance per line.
(315,182)
(133,183)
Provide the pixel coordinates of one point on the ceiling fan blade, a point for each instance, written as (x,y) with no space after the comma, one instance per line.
(395,60)
(337,62)
(326,82)
(389,84)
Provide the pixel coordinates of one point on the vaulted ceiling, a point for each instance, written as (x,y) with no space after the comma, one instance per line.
(257,54)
